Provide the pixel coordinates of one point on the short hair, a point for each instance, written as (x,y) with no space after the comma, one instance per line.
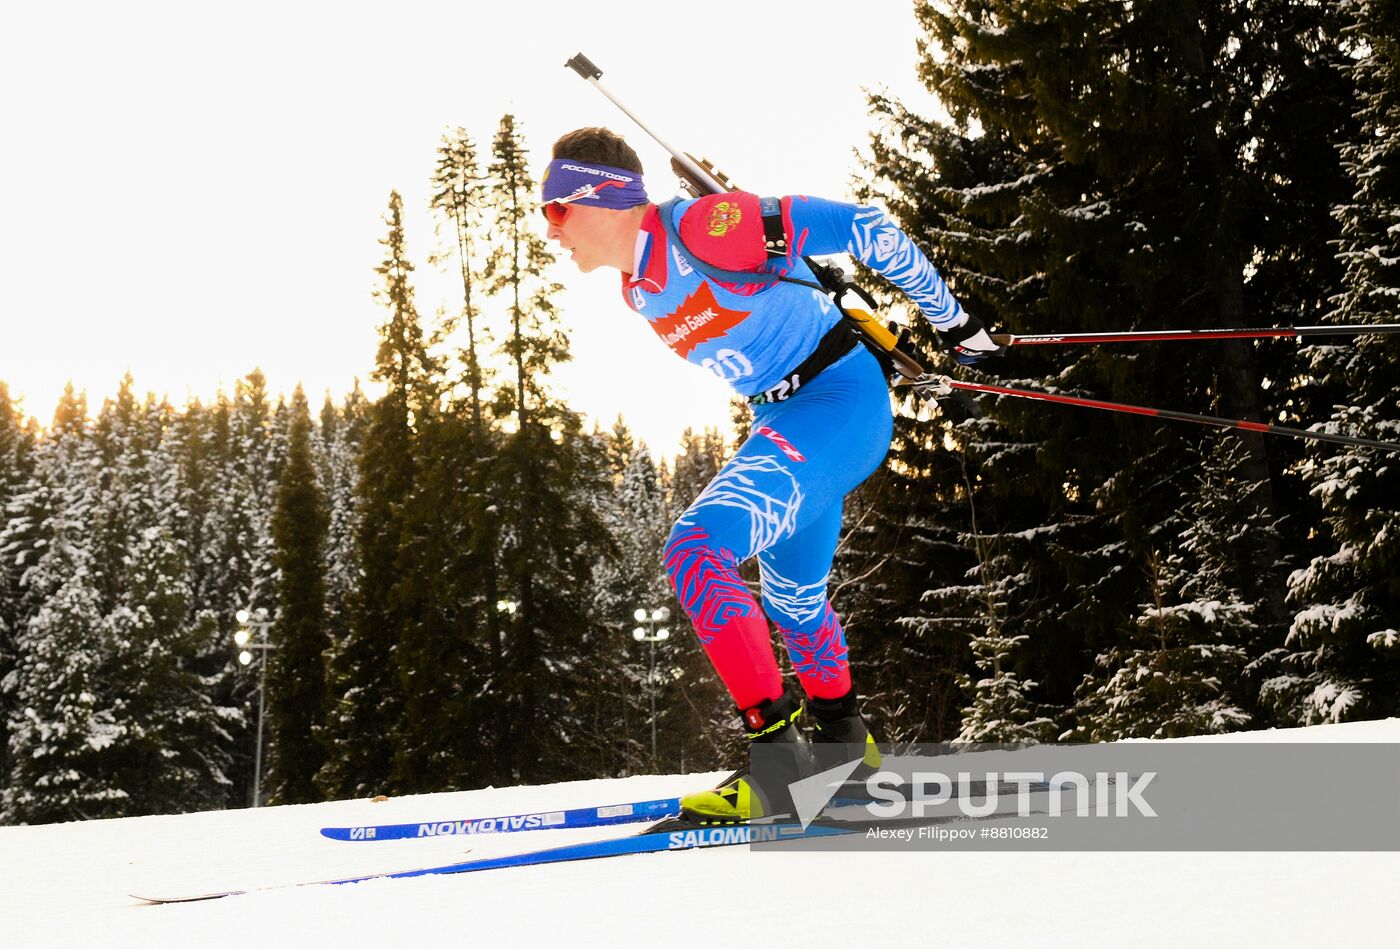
(598,146)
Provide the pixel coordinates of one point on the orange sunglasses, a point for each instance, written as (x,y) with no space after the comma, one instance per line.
(556,214)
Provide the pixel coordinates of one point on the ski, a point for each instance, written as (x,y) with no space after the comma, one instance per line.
(571,818)
(670,834)
(630,813)
(667,834)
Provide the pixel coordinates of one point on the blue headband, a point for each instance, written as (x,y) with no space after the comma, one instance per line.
(567,180)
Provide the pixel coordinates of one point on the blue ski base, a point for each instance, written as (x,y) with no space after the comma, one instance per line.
(630,813)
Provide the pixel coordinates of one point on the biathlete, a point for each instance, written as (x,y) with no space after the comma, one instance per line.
(821,420)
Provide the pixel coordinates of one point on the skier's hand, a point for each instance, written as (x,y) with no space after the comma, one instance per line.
(969,343)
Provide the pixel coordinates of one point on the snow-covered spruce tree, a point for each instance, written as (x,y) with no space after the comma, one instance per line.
(191,443)
(174,748)
(338,440)
(619,447)
(1000,710)
(441,659)
(16,447)
(642,504)
(115,721)
(611,711)
(515,274)
(201,442)
(173,751)
(24,528)
(1176,669)
(547,539)
(242,455)
(204,432)
(364,718)
(241,451)
(122,508)
(458,198)
(597,647)
(296,676)
(1341,659)
(633,510)
(59,732)
(257,448)
(59,725)
(338,443)
(1170,677)
(174,754)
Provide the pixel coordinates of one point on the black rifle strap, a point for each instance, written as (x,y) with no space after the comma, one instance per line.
(774,234)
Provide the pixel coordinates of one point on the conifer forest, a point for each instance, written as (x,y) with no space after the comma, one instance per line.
(442,579)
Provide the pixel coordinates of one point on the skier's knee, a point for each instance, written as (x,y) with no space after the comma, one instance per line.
(693,562)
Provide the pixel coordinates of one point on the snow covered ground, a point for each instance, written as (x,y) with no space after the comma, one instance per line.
(67,885)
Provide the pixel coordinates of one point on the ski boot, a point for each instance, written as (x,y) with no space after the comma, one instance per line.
(839,735)
(738,800)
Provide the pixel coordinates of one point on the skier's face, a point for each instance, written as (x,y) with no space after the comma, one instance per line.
(580,233)
(591,235)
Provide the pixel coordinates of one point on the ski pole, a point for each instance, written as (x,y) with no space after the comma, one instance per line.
(936,385)
(1161,336)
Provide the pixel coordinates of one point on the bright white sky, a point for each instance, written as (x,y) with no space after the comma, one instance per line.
(190,191)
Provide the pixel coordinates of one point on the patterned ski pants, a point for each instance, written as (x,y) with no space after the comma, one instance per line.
(779,498)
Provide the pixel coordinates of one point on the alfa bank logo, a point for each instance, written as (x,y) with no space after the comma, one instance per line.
(698,320)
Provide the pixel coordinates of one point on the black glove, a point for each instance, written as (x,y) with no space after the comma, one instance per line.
(969,343)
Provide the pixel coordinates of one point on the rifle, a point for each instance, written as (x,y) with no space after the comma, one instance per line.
(699,177)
